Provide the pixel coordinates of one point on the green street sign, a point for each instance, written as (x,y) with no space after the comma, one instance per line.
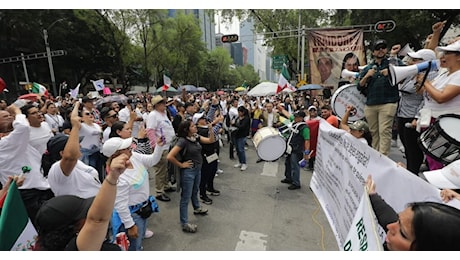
(278,61)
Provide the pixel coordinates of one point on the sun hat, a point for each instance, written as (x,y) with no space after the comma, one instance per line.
(114,144)
(156,99)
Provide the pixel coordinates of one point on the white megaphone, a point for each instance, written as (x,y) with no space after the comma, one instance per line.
(399,73)
(361,67)
(349,74)
(405,50)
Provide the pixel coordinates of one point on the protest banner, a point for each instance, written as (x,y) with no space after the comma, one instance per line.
(341,168)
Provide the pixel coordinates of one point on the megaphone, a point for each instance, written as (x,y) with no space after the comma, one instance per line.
(361,67)
(399,73)
(405,50)
(349,74)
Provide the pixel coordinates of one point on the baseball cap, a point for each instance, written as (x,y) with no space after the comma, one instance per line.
(198,116)
(445,178)
(114,144)
(57,143)
(61,211)
(359,125)
(299,114)
(424,54)
(451,47)
(312,107)
(379,43)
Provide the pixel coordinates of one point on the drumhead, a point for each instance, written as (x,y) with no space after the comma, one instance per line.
(269,144)
(348,95)
(450,125)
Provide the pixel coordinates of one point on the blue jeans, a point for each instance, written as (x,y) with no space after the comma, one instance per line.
(135,244)
(240,142)
(292,167)
(190,184)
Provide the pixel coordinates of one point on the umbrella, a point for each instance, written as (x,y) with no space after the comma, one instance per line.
(119,98)
(220,92)
(170,89)
(188,88)
(31,96)
(310,87)
(133,92)
(240,89)
(201,89)
(263,89)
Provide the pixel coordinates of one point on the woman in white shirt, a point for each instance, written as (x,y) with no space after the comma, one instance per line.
(91,144)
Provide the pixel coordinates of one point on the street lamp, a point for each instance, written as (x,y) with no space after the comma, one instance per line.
(48,53)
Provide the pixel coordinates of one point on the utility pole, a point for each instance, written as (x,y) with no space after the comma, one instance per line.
(302,69)
(50,61)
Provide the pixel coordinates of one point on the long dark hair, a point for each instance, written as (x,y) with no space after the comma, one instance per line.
(183,129)
(436,227)
(117,126)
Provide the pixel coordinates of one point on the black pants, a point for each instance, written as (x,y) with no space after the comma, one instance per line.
(208,172)
(33,200)
(409,139)
(232,148)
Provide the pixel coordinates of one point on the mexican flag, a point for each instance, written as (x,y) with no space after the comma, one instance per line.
(283,82)
(39,89)
(167,82)
(16,230)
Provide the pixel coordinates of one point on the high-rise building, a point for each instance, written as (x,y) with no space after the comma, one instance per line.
(207,25)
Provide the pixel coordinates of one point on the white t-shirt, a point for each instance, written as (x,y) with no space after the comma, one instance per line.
(54,121)
(83,181)
(92,135)
(106,134)
(17,152)
(39,137)
(451,106)
(123,114)
(133,185)
(160,123)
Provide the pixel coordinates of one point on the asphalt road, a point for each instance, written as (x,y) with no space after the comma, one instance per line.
(255,212)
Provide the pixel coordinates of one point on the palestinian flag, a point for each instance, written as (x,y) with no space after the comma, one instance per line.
(283,82)
(39,89)
(16,230)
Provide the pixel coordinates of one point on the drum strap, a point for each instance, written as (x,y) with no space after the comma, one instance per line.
(295,131)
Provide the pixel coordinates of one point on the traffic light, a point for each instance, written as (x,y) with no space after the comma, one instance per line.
(229,38)
(385,26)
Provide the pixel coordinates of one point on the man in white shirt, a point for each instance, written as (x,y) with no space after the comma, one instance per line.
(232,115)
(159,125)
(17,152)
(40,131)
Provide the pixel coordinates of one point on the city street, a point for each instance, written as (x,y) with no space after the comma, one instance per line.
(255,211)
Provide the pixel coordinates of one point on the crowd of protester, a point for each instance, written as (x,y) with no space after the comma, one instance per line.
(78,151)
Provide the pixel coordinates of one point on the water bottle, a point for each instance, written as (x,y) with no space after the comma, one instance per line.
(303,163)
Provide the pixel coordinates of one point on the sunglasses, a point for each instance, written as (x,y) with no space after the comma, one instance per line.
(114,116)
(380,47)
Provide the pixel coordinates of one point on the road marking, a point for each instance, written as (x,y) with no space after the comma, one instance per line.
(270,168)
(251,241)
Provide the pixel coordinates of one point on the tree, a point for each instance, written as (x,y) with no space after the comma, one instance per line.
(217,68)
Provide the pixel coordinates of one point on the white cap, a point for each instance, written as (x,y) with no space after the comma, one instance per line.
(312,107)
(114,144)
(451,47)
(445,178)
(424,54)
(197,116)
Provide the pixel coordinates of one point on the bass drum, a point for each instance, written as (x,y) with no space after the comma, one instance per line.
(348,95)
(269,143)
(442,139)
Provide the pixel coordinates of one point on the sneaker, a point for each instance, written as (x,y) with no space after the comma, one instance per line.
(244,167)
(220,171)
(286,181)
(148,233)
(293,187)
(213,192)
(206,200)
(238,165)
(189,228)
(200,211)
